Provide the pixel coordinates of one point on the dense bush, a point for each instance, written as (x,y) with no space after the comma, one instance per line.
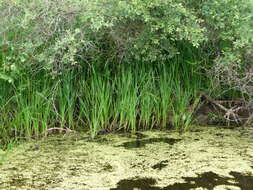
(59,35)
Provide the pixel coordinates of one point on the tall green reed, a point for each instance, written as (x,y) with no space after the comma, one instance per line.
(33,108)
(165,89)
(186,84)
(65,97)
(126,102)
(96,101)
(147,98)
(129,97)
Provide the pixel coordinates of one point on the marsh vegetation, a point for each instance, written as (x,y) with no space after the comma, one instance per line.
(107,65)
(104,66)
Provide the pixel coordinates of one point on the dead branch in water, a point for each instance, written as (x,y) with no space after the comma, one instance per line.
(65,130)
(231,114)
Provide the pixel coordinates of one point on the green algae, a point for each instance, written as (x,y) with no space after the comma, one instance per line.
(72,162)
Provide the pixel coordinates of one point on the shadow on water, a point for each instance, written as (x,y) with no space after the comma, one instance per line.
(137,135)
(138,143)
(208,180)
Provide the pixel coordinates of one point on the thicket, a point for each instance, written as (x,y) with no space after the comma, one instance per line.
(108,64)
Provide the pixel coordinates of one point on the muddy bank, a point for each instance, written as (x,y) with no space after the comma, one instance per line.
(207,158)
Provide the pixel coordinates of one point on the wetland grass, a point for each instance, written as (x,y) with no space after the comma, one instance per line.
(95,102)
(165,101)
(148,100)
(65,100)
(130,97)
(126,103)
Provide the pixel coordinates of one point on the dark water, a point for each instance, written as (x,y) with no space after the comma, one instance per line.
(130,184)
(208,180)
(137,135)
(140,136)
(138,143)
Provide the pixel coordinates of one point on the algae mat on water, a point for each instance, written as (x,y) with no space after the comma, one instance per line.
(207,158)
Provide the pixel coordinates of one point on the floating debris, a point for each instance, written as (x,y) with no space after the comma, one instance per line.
(161,165)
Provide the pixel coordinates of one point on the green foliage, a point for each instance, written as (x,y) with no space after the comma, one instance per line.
(61,35)
(96,101)
(127,97)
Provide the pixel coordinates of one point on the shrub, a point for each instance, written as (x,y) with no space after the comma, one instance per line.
(61,35)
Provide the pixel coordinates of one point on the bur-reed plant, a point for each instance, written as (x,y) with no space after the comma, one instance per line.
(32,107)
(96,101)
(126,89)
(65,98)
(6,110)
(165,89)
(129,97)
(182,97)
(187,82)
(148,98)
(6,132)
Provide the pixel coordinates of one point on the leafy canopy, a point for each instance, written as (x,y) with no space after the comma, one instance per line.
(58,36)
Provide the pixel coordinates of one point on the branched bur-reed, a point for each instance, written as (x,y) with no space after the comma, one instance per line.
(130,97)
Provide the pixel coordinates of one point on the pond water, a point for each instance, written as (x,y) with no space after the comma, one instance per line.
(207,158)
(142,143)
